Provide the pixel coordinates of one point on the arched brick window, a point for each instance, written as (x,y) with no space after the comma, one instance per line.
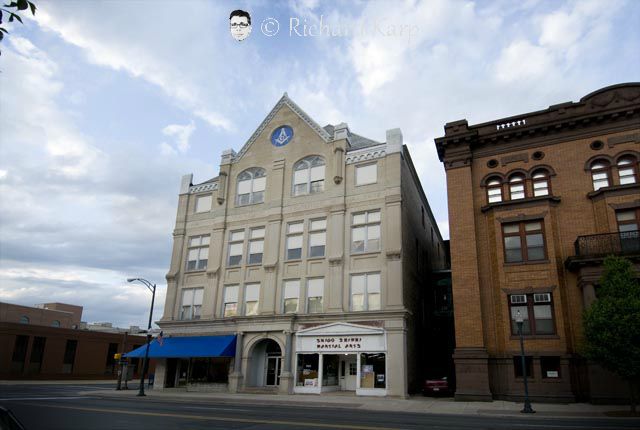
(627,170)
(541,183)
(494,190)
(600,174)
(516,187)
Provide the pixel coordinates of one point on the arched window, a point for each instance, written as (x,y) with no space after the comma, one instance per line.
(494,190)
(308,176)
(600,174)
(540,180)
(516,187)
(627,170)
(251,185)
(55,323)
(24,319)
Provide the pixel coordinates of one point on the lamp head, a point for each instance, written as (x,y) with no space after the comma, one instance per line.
(135,279)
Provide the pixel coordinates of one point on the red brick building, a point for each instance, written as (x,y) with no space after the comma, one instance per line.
(42,343)
(536,201)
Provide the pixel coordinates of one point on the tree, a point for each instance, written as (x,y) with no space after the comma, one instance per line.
(18,6)
(612,324)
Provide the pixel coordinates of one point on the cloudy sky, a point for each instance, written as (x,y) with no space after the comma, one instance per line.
(105,104)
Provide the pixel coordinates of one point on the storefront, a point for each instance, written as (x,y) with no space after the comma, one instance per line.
(197,362)
(341,357)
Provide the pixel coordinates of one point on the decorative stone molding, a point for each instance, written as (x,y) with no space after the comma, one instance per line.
(179,232)
(335,261)
(269,268)
(213,272)
(394,254)
(511,124)
(284,101)
(392,199)
(364,154)
(171,276)
(513,158)
(209,186)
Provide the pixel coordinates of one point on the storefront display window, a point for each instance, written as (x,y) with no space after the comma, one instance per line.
(209,370)
(307,370)
(329,370)
(372,371)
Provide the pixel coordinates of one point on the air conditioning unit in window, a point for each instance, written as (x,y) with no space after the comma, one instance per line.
(542,298)
(518,298)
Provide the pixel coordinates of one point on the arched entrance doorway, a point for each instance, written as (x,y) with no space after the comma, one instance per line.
(266,363)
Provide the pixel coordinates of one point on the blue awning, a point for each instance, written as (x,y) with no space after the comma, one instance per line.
(185,347)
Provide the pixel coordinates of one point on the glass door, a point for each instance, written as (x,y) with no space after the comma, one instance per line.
(273,371)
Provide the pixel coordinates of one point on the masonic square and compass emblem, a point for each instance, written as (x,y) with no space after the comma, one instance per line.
(281,136)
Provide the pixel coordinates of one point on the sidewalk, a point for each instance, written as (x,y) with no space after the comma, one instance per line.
(415,404)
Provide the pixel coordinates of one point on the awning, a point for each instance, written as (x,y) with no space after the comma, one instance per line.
(191,346)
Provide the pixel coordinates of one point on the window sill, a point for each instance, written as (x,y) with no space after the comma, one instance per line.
(322,257)
(307,194)
(535,336)
(248,204)
(195,271)
(254,264)
(529,201)
(364,185)
(526,263)
(354,254)
(295,260)
(614,189)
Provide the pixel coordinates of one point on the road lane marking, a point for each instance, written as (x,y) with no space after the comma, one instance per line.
(45,398)
(216,409)
(209,418)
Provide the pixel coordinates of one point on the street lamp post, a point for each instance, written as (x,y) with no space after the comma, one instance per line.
(527,404)
(151,287)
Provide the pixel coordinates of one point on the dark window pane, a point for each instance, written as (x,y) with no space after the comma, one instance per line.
(235,260)
(294,254)
(535,253)
(517,366)
(514,255)
(255,258)
(316,251)
(550,367)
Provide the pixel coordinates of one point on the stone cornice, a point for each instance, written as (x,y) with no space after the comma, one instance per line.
(364,154)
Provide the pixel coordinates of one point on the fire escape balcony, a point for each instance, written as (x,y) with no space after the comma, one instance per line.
(592,249)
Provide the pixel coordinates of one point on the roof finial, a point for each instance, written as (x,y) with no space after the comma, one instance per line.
(285,94)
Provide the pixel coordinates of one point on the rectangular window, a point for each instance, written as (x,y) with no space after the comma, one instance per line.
(230,305)
(294,240)
(317,237)
(198,252)
(236,242)
(19,353)
(315,292)
(523,242)
(365,292)
(37,353)
(307,370)
(203,204)
(251,299)
(517,366)
(367,174)
(191,303)
(373,370)
(256,245)
(538,305)
(365,232)
(291,294)
(550,367)
(69,356)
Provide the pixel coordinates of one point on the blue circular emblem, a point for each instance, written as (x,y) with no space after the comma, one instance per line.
(281,135)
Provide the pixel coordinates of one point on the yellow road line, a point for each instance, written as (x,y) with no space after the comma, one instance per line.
(205,417)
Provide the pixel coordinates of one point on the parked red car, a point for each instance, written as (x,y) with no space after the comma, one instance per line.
(436,387)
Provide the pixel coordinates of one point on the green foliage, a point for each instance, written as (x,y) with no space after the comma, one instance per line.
(612,323)
(18,6)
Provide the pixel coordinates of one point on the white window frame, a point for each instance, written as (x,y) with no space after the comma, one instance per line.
(312,286)
(256,239)
(191,303)
(308,176)
(233,243)
(362,170)
(248,298)
(287,295)
(369,289)
(317,230)
(230,297)
(295,234)
(201,250)
(369,224)
(256,177)
(200,206)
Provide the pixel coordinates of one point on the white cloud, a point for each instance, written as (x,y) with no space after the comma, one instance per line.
(111,47)
(181,133)
(523,61)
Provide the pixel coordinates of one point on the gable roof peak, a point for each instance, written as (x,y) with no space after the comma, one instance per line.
(284,101)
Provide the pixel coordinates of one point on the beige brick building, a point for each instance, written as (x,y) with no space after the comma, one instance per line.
(311,251)
(536,201)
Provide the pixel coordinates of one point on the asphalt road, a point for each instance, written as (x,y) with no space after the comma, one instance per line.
(48,407)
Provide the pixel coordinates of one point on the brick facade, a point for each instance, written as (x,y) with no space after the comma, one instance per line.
(559,141)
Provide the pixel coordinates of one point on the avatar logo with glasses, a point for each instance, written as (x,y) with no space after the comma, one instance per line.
(240,24)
